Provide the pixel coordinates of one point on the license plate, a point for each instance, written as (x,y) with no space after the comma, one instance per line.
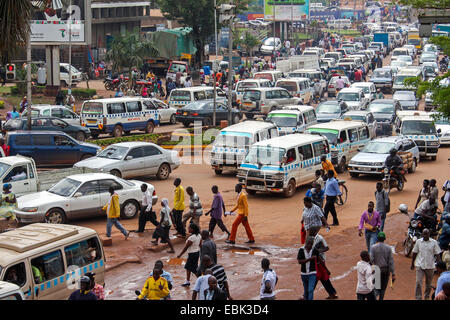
(258,187)
(92,121)
(365,169)
(184,113)
(247,103)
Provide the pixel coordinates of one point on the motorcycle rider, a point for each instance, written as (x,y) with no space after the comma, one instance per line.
(444,237)
(427,213)
(317,89)
(395,162)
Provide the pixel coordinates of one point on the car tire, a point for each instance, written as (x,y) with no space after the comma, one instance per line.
(129,209)
(163,172)
(413,167)
(94,135)
(173,119)
(341,167)
(55,216)
(118,131)
(354,174)
(116,173)
(218,171)
(150,127)
(289,191)
(207,122)
(85,156)
(80,136)
(249,116)
(236,119)
(186,124)
(433,158)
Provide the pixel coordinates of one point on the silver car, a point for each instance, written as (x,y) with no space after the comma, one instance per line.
(134,159)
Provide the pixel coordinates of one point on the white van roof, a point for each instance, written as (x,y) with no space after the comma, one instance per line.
(301,108)
(20,243)
(268,71)
(408,72)
(115,100)
(417,118)
(196,88)
(338,124)
(253,80)
(409,113)
(291,140)
(292,79)
(249,126)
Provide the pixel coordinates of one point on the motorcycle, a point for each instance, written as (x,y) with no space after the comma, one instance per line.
(414,232)
(391,180)
(443,67)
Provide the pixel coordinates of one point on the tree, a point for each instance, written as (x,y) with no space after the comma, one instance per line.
(199,15)
(129,51)
(15,16)
(248,42)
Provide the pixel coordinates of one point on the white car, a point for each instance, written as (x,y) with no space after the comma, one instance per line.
(167,114)
(368,88)
(270,45)
(443,125)
(432,64)
(398,64)
(134,159)
(81,196)
(407,59)
(10,292)
(43,110)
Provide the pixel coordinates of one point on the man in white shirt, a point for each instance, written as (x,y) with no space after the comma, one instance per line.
(424,253)
(268,282)
(446,197)
(201,285)
(365,287)
(147,214)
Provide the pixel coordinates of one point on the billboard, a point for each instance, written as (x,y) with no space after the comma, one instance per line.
(286,10)
(52,21)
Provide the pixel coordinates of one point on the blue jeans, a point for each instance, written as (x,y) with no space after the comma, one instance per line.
(383,219)
(309,282)
(371,238)
(110,223)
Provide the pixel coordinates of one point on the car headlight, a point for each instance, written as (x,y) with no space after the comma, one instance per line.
(276,176)
(386,170)
(414,224)
(30,209)
(433,143)
(242,172)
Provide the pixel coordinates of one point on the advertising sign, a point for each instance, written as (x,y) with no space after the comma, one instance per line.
(52,21)
(286,10)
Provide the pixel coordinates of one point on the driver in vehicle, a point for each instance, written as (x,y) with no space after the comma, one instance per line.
(394,162)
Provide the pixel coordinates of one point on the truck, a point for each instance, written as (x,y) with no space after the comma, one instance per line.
(172,45)
(292,63)
(382,37)
(24,178)
(414,39)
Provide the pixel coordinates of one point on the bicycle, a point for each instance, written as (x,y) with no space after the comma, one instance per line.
(344,192)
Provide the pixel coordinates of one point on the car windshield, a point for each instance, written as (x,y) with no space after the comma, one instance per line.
(330,134)
(418,127)
(348,96)
(263,155)
(199,105)
(242,86)
(283,120)
(92,108)
(3,168)
(378,147)
(266,76)
(399,64)
(65,187)
(252,95)
(414,42)
(364,88)
(177,67)
(381,108)
(235,140)
(113,152)
(354,117)
(405,58)
(404,96)
(269,42)
(400,53)
(399,79)
(180,95)
(328,108)
(288,85)
(381,74)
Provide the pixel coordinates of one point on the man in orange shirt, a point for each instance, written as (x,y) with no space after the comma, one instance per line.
(242,208)
(327,165)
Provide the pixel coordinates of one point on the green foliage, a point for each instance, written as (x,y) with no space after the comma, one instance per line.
(247,41)
(443,42)
(422,4)
(81,93)
(153,137)
(129,51)
(2,104)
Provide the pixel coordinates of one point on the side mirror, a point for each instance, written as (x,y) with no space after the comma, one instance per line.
(439,130)
(129,158)
(77,195)
(397,130)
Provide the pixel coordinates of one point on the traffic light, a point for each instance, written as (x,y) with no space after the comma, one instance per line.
(11,72)
(226,13)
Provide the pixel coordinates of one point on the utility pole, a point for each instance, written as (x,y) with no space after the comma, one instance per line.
(69,91)
(215,64)
(29,82)
(292,22)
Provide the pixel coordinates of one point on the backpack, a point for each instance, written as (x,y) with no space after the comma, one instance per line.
(388,206)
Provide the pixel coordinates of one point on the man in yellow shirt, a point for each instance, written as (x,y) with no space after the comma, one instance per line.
(155,288)
(327,165)
(242,217)
(113,213)
(178,208)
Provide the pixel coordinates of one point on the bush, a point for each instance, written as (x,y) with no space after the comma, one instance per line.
(2,104)
(81,93)
(37,89)
(152,137)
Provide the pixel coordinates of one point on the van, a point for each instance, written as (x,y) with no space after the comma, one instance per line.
(10,292)
(301,88)
(233,142)
(406,73)
(345,138)
(339,24)
(64,69)
(282,164)
(350,47)
(311,74)
(272,76)
(117,116)
(180,97)
(49,148)
(246,84)
(420,127)
(334,54)
(399,52)
(293,119)
(47,260)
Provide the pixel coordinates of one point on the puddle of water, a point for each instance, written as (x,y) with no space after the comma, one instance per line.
(255,252)
(176,262)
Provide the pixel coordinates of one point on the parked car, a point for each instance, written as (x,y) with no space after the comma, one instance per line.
(167,114)
(48,124)
(203,111)
(364,116)
(81,196)
(328,110)
(61,112)
(49,148)
(407,100)
(385,112)
(371,158)
(134,159)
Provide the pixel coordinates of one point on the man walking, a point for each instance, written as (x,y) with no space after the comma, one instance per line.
(195,208)
(306,257)
(381,256)
(365,286)
(201,285)
(113,214)
(268,282)
(327,165)
(217,208)
(331,193)
(242,217)
(207,248)
(146,214)
(312,217)
(178,207)
(370,222)
(219,273)
(424,253)
(383,203)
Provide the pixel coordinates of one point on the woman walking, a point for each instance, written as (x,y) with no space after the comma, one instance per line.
(193,249)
